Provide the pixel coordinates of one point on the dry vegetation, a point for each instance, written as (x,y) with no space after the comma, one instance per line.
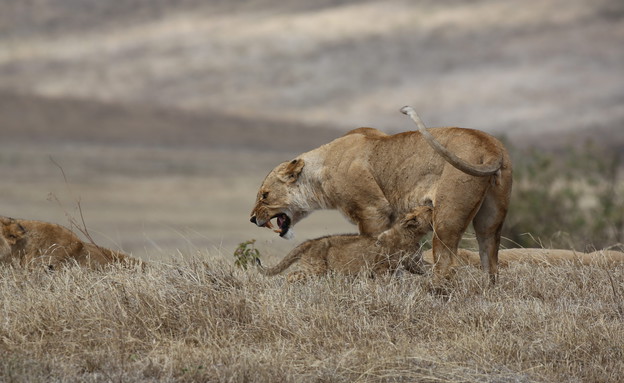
(573,198)
(204,320)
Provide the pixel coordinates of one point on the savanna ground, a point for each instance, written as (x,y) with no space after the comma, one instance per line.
(205,320)
(165,116)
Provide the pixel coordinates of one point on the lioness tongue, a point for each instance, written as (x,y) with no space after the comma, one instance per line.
(280,220)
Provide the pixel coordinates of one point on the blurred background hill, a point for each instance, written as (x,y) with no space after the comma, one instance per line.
(166,115)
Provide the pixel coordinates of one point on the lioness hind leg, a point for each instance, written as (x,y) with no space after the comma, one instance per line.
(488,252)
(488,224)
(457,201)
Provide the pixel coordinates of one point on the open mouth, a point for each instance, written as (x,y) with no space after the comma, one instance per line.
(283,224)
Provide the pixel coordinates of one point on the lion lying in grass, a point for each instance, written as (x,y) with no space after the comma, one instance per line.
(539,256)
(352,253)
(34,243)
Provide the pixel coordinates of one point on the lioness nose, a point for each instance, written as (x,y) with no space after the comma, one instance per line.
(253,219)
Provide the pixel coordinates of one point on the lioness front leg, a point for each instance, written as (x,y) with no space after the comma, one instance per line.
(444,250)
(369,208)
(374,220)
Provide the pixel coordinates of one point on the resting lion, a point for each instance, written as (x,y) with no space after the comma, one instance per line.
(352,253)
(34,243)
(544,257)
(373,178)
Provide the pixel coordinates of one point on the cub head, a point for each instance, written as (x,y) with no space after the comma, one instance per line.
(10,233)
(281,196)
(406,234)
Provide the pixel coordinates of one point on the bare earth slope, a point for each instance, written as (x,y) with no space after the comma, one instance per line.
(518,67)
(37,119)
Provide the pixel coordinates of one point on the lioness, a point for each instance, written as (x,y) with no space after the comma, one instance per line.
(352,253)
(544,257)
(373,178)
(34,243)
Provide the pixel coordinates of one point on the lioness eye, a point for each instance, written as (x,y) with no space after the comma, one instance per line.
(265,195)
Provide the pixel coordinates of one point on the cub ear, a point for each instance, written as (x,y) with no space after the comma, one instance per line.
(422,216)
(412,221)
(292,170)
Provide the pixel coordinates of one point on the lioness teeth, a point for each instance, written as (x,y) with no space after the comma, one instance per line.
(268,224)
(279,231)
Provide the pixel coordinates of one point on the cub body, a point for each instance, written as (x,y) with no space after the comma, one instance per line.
(352,253)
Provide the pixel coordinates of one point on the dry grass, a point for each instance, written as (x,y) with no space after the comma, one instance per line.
(204,320)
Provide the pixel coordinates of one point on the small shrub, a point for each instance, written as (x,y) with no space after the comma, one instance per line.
(246,254)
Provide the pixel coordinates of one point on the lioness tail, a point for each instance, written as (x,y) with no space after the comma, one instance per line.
(479,170)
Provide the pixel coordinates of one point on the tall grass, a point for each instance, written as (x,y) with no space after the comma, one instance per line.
(573,198)
(205,320)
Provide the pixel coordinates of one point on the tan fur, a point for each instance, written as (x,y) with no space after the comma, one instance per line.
(373,178)
(544,257)
(32,243)
(352,254)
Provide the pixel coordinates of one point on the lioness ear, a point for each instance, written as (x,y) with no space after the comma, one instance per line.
(292,170)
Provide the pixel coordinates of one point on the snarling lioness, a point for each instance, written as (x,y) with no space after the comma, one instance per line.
(373,178)
(31,243)
(352,253)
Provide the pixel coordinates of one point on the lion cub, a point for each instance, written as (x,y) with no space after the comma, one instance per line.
(352,253)
(34,243)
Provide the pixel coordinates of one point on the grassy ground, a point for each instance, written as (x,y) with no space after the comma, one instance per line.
(204,320)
